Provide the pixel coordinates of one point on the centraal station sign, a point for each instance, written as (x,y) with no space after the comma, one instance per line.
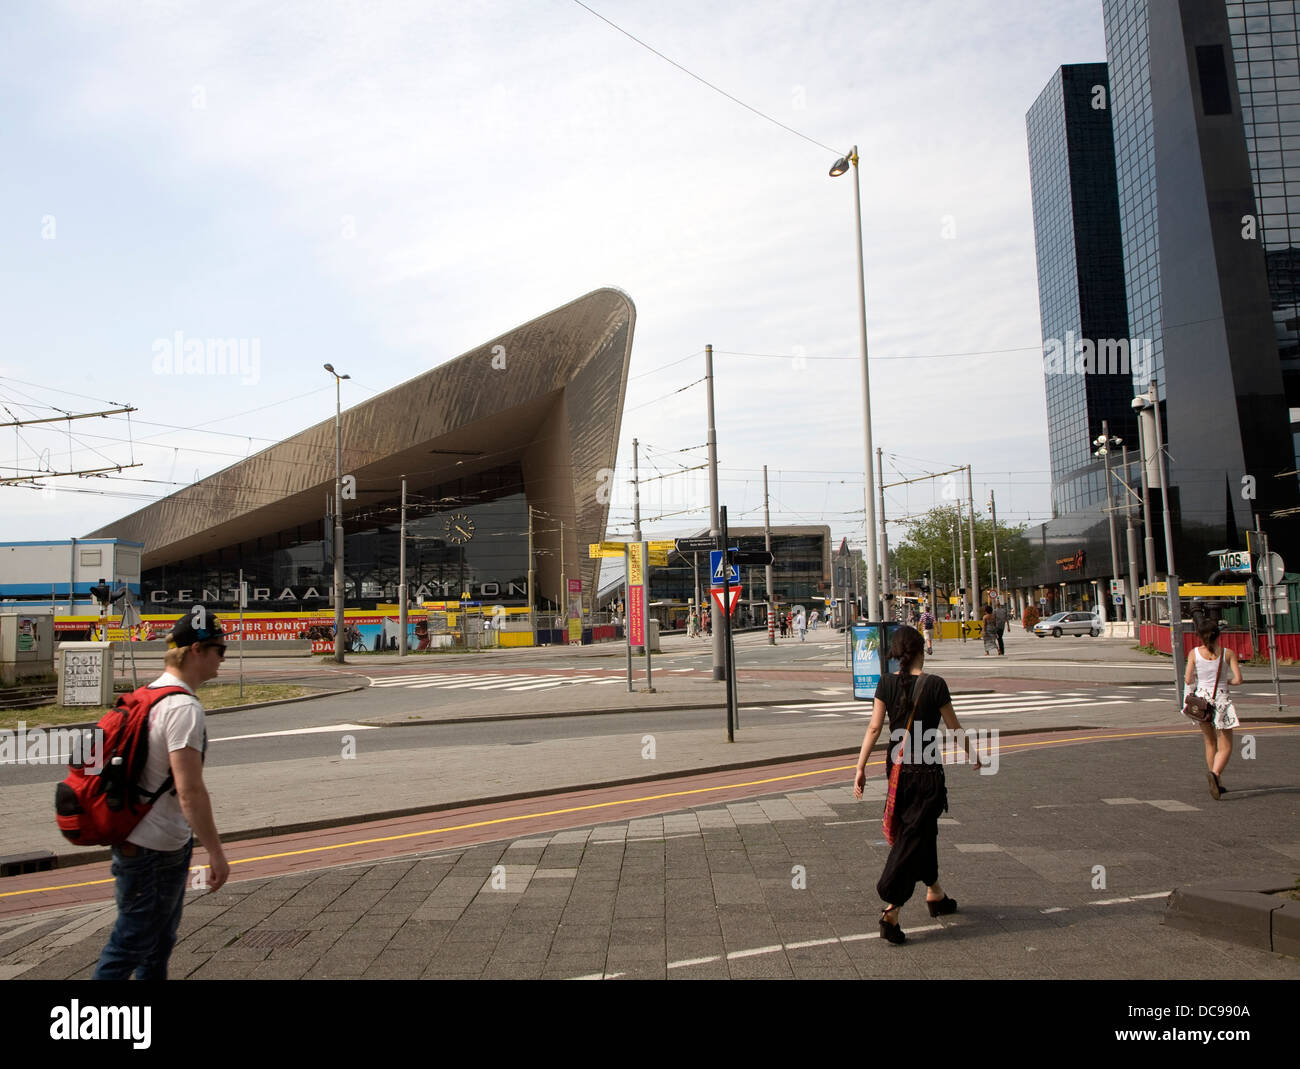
(422,593)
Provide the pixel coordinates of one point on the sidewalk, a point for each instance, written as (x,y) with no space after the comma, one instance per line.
(1061,863)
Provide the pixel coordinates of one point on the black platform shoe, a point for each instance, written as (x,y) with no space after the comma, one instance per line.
(941,907)
(891,932)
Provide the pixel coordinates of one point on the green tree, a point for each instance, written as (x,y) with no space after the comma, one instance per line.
(929,539)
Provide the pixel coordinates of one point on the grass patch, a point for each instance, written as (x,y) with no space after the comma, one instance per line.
(213,696)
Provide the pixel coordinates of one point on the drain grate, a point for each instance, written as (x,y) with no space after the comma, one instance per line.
(267,939)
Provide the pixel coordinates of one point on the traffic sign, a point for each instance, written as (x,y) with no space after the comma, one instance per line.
(1237,560)
(718,594)
(1271,569)
(751,558)
(1117,588)
(715,567)
(695,545)
(605,549)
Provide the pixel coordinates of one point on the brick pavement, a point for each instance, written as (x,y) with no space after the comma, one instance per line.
(715,891)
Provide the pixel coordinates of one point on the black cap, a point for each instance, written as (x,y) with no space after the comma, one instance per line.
(199,624)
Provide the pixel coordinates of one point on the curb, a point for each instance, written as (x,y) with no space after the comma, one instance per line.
(90,857)
(232,708)
(1245,910)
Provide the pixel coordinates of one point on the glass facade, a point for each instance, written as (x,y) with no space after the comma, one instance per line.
(1132,122)
(1264,47)
(470,535)
(1088,354)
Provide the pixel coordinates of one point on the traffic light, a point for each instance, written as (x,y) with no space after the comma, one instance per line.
(101,592)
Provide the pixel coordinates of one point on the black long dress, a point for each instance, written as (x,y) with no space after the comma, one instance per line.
(922,791)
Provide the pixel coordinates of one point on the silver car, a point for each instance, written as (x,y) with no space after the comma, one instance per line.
(1068,623)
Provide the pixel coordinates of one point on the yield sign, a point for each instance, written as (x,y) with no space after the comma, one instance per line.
(718,594)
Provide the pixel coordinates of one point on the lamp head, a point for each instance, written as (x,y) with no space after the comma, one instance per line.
(329,368)
(844,162)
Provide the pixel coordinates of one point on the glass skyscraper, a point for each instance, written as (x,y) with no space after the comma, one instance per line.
(1205,117)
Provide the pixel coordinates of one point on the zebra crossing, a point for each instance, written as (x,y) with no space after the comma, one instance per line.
(1024,701)
(487,681)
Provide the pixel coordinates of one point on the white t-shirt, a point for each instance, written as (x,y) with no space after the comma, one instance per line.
(175,722)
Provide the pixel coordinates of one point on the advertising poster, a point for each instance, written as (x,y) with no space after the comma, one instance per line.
(635,595)
(866,660)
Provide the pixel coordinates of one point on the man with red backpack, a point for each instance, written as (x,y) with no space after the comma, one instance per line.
(151,867)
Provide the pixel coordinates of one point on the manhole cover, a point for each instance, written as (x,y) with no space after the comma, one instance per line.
(265,939)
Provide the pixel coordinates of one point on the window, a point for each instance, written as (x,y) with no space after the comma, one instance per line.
(1216,97)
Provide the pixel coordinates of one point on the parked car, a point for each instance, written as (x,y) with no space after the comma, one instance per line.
(1068,623)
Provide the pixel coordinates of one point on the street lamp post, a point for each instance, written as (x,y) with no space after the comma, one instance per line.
(873,578)
(338,513)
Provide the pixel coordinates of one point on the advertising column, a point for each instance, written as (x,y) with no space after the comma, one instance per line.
(635,595)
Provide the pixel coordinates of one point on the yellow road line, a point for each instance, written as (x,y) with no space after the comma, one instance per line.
(628,801)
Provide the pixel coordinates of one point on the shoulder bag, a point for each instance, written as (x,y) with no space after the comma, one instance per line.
(1200,709)
(889,820)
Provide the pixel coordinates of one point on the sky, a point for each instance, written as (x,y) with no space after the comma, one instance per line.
(385,186)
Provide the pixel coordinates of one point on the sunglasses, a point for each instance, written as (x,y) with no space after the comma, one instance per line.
(220,647)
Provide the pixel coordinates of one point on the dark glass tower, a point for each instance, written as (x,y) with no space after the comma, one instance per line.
(1088,354)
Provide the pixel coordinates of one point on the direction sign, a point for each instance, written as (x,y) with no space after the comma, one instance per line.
(695,545)
(1117,588)
(751,558)
(1271,569)
(1237,560)
(718,593)
(605,549)
(715,567)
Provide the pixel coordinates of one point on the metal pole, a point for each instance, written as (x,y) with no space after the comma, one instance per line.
(952,531)
(997,566)
(645,600)
(532,623)
(1149,542)
(961,560)
(243,597)
(974,563)
(340,591)
(884,536)
(1270,617)
(873,611)
(767,545)
(636,493)
(1110,501)
(719,654)
(725,629)
(402,591)
(627,610)
(1171,576)
(1132,613)
(564,592)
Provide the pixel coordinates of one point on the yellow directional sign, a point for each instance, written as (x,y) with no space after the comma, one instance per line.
(605,549)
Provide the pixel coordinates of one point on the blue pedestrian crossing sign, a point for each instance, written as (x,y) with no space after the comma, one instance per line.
(715,568)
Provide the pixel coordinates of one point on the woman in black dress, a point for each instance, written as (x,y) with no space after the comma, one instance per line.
(922,793)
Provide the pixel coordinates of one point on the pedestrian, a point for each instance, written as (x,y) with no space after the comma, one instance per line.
(990,631)
(781,623)
(800,624)
(152,867)
(812,621)
(708,622)
(921,796)
(693,626)
(1207,665)
(927,629)
(1000,622)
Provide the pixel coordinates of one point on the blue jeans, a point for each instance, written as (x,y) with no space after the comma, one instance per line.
(150,893)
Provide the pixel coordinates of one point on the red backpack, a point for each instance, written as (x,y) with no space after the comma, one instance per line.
(102,809)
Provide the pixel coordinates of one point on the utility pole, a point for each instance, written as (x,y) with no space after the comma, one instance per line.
(636,493)
(1131,542)
(1171,575)
(340,591)
(767,545)
(961,560)
(401,579)
(1110,506)
(532,624)
(974,563)
(884,538)
(715,529)
(952,532)
(1149,542)
(997,566)
(564,592)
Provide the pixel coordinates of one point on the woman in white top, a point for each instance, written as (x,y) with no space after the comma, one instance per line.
(1210,660)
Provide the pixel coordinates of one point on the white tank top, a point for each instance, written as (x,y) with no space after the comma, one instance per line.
(1205,671)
